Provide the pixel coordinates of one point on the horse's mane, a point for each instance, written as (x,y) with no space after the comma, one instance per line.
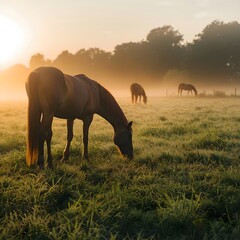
(109,108)
(110,105)
(144,94)
(193,88)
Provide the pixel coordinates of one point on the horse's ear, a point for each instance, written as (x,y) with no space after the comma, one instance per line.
(130,124)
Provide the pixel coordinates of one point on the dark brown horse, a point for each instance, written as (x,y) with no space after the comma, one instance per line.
(187,87)
(54,94)
(137,91)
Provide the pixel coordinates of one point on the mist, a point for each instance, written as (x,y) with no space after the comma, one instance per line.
(211,62)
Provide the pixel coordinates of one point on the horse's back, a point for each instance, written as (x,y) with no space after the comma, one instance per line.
(49,75)
(63,95)
(136,88)
(82,95)
(88,87)
(47,83)
(182,85)
(188,87)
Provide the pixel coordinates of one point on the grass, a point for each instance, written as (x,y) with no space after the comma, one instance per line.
(183,183)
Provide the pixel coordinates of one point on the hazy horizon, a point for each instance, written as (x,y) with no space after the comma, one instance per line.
(51,27)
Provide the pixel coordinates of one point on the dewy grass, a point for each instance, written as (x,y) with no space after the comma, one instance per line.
(183,182)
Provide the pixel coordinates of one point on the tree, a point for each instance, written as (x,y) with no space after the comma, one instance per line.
(12,81)
(215,52)
(38,60)
(130,58)
(66,62)
(165,36)
(165,49)
(162,51)
(93,60)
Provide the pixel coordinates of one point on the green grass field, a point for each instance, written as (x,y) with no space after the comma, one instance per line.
(183,183)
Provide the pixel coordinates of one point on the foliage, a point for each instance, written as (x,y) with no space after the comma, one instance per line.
(183,183)
(210,59)
(215,51)
(38,60)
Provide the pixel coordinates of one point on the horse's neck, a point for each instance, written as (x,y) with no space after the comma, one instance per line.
(110,110)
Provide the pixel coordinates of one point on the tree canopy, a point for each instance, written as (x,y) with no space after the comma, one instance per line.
(213,56)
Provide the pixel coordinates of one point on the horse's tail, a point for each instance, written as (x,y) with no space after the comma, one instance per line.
(34,115)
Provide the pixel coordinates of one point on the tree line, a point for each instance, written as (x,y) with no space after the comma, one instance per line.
(213,57)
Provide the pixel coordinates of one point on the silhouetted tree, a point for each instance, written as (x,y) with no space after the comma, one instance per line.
(212,56)
(161,51)
(93,60)
(130,58)
(165,49)
(215,52)
(38,60)
(12,81)
(66,62)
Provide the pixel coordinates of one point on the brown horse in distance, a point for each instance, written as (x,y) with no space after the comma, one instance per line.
(187,87)
(54,94)
(137,91)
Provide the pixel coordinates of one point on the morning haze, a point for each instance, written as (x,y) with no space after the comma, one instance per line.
(83,159)
(160,62)
(159,43)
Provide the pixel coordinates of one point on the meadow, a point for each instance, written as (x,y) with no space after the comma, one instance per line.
(183,183)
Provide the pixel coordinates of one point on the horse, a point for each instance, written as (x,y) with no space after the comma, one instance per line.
(187,87)
(51,93)
(137,90)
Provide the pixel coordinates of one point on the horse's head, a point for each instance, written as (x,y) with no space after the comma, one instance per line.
(123,139)
(145,99)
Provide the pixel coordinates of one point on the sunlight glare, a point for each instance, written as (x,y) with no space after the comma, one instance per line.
(11,39)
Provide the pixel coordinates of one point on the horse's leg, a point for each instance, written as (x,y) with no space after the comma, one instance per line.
(136,98)
(86,124)
(132,97)
(41,149)
(49,151)
(46,125)
(140,96)
(66,152)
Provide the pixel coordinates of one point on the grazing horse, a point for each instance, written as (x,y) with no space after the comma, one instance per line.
(137,90)
(187,87)
(54,94)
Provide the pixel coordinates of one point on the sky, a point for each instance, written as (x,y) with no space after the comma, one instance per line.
(51,26)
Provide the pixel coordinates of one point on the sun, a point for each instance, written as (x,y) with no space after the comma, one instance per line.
(11,39)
